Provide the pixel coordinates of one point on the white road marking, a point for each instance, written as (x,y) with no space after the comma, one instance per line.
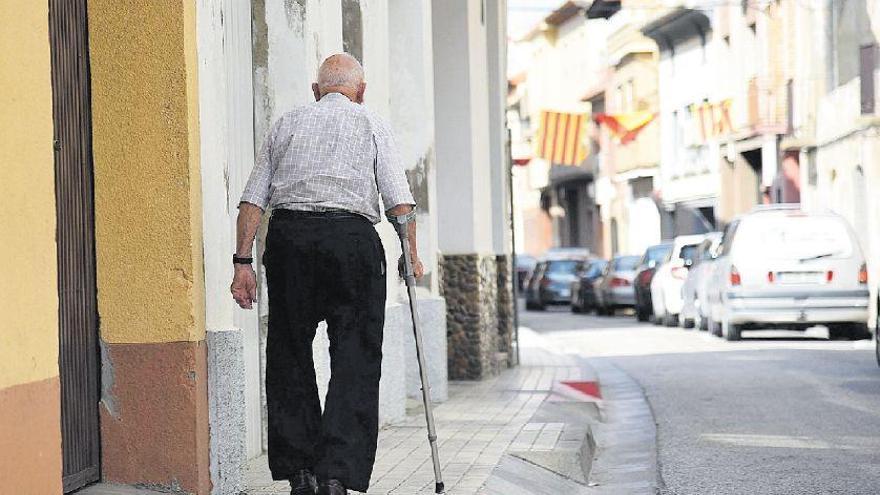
(772,441)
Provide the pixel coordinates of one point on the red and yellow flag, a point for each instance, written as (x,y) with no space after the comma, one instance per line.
(625,126)
(560,138)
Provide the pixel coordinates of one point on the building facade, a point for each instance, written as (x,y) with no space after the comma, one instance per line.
(131,132)
(553,121)
(630,166)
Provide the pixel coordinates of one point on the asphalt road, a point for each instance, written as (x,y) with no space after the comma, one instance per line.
(777,413)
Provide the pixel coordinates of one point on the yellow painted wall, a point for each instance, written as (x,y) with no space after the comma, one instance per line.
(147,191)
(29,306)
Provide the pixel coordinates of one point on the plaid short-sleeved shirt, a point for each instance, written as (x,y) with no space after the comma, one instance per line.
(329,155)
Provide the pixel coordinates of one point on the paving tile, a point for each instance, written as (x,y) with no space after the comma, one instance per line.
(479,423)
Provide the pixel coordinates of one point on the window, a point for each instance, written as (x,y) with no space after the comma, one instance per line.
(642,187)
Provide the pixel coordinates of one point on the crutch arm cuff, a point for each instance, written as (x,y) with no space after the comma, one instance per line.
(402,219)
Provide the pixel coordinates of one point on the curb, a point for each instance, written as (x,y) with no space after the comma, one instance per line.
(625,455)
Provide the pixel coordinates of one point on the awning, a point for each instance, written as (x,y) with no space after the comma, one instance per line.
(625,126)
(561,138)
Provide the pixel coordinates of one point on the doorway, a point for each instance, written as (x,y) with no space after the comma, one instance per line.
(74,198)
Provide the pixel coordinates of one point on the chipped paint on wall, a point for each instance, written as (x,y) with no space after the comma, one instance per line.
(418,181)
(353,29)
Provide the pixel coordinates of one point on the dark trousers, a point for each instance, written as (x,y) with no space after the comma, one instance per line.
(324,267)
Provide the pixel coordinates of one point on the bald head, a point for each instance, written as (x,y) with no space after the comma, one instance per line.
(340,73)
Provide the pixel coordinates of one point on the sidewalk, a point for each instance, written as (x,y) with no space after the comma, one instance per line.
(477,426)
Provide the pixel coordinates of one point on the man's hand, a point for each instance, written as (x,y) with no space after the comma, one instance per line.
(418,267)
(244,286)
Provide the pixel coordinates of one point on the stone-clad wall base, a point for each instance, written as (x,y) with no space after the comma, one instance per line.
(469,285)
(432,311)
(505,307)
(226,410)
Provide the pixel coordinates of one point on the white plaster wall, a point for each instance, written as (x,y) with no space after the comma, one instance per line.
(462,129)
(686,170)
(496,36)
(227,153)
(846,142)
(290,40)
(411,95)
(479,113)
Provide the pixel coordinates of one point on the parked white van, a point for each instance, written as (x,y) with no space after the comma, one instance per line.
(781,267)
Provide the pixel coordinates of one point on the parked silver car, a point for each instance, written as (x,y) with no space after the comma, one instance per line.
(694,293)
(614,289)
(782,267)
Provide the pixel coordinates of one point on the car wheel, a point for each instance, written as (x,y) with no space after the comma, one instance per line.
(860,331)
(687,323)
(848,331)
(714,327)
(670,320)
(731,332)
(877,334)
(703,324)
(877,344)
(642,314)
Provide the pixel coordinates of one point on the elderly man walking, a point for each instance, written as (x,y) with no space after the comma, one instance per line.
(321,169)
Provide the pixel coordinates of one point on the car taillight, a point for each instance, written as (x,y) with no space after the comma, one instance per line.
(680,272)
(863,274)
(619,282)
(771,277)
(645,276)
(735,278)
(829,276)
(545,282)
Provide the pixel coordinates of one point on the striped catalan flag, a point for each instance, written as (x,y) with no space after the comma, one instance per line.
(560,138)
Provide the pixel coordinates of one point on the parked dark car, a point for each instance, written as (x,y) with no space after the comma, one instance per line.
(550,282)
(648,264)
(524,264)
(614,289)
(583,297)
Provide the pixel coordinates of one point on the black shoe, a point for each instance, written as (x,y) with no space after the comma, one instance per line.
(332,487)
(303,483)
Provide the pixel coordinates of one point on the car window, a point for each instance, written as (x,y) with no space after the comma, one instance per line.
(538,270)
(595,269)
(657,254)
(794,237)
(626,263)
(562,267)
(688,252)
(727,238)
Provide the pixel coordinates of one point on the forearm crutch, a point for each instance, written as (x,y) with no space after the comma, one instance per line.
(401,224)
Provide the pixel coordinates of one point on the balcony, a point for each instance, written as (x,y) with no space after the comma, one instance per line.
(769,106)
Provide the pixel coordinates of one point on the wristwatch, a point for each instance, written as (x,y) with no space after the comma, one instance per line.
(238,260)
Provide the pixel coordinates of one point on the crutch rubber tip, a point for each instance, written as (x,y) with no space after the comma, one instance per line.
(438,488)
